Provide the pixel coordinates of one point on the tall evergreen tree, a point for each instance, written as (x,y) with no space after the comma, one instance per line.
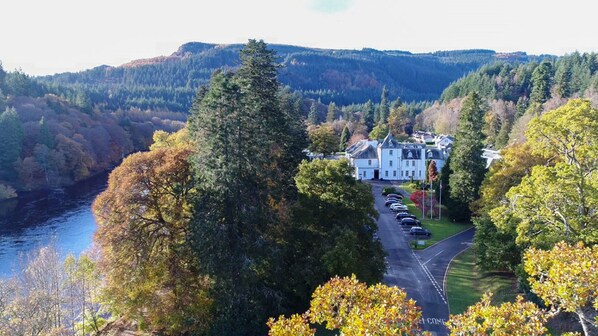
(368,115)
(249,140)
(541,82)
(467,165)
(384,109)
(11,141)
(562,79)
(312,117)
(502,138)
(331,112)
(345,135)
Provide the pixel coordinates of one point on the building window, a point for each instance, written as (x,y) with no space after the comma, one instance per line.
(394,173)
(407,163)
(386,173)
(413,163)
(420,173)
(369,162)
(364,173)
(401,173)
(390,163)
(413,173)
(407,173)
(390,152)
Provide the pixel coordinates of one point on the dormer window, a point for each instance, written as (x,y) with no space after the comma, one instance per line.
(409,155)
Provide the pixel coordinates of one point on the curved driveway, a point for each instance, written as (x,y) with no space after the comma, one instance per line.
(420,274)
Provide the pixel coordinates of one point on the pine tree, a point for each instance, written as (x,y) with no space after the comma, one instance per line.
(249,140)
(467,165)
(502,138)
(11,141)
(312,117)
(368,115)
(563,79)
(345,135)
(384,110)
(331,112)
(541,82)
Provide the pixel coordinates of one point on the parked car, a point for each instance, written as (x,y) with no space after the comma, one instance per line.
(398,207)
(419,231)
(405,214)
(392,201)
(394,196)
(410,222)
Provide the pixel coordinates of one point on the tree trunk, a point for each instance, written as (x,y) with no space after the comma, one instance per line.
(587,323)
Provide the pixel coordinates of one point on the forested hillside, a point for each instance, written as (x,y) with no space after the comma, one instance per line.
(342,76)
(515,94)
(47,141)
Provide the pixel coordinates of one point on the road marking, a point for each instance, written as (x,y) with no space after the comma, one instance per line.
(433,320)
(429,275)
(447,238)
(433,257)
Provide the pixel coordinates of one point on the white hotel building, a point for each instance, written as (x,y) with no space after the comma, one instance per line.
(392,160)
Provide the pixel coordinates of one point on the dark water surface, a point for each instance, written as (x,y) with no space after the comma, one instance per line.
(59,217)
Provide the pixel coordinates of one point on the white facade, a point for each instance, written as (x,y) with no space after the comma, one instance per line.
(391,160)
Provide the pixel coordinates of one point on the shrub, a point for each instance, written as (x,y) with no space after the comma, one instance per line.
(389,190)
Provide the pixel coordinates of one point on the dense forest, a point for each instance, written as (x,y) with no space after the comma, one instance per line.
(48,141)
(340,76)
(514,93)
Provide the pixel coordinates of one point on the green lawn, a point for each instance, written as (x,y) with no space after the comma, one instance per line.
(465,284)
(440,229)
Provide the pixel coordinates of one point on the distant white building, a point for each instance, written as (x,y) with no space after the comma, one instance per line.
(490,155)
(444,142)
(392,160)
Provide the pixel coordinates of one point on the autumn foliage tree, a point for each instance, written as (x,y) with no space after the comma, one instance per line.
(519,318)
(559,200)
(354,309)
(566,279)
(143,231)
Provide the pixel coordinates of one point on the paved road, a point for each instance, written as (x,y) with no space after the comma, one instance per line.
(417,272)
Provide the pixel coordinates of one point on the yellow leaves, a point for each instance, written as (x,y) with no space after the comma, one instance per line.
(517,318)
(570,131)
(356,310)
(565,277)
(296,325)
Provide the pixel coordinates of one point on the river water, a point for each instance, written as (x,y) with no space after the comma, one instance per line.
(60,217)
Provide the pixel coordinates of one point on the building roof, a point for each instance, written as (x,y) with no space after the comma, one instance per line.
(365,152)
(411,154)
(434,154)
(389,142)
(354,146)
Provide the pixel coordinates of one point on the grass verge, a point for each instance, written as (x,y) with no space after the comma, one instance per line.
(441,229)
(466,283)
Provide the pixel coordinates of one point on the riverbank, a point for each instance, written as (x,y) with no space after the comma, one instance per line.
(61,217)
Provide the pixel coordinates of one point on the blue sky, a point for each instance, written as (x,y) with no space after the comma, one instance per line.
(48,36)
